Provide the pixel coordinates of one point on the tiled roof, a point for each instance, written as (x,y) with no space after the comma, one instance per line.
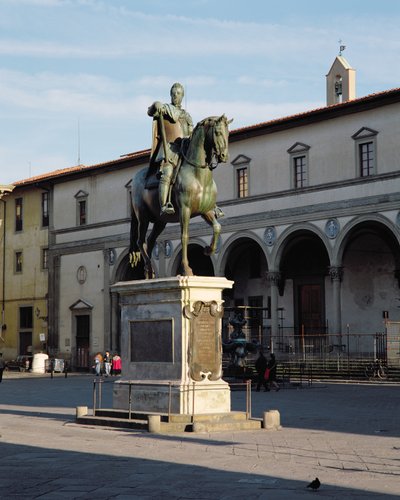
(316,111)
(236,133)
(79,168)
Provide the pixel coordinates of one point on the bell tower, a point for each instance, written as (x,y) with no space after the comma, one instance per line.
(340,81)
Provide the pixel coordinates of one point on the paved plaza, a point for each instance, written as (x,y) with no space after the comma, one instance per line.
(347,435)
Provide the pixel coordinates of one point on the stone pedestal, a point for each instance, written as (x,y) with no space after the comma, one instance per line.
(171,346)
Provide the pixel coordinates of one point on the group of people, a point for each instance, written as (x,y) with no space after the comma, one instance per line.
(266,371)
(107,364)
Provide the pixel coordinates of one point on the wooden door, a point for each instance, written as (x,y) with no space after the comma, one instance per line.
(311,310)
(82,341)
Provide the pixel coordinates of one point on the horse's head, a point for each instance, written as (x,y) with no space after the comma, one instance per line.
(220,138)
(211,136)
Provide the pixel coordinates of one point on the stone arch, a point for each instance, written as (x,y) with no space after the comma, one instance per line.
(244,261)
(368,253)
(123,270)
(291,233)
(377,223)
(227,246)
(202,265)
(302,259)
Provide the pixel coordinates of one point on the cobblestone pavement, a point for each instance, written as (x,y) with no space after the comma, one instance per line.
(348,435)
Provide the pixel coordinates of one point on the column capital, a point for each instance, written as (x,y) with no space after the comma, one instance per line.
(275,278)
(336,273)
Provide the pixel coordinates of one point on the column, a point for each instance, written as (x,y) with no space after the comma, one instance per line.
(336,274)
(115,333)
(274,279)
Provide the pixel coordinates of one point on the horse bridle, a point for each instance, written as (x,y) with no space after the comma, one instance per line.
(214,154)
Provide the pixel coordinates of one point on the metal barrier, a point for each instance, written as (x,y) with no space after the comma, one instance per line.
(97,394)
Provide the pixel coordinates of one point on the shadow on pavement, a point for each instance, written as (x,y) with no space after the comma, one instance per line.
(33,472)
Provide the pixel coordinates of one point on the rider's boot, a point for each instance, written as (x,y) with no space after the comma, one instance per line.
(166,206)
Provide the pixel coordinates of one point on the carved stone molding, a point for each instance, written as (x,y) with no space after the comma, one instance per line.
(275,278)
(205,344)
(336,273)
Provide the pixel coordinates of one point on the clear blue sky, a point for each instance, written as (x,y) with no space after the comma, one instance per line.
(101,63)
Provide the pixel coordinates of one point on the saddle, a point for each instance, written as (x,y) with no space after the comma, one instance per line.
(153,174)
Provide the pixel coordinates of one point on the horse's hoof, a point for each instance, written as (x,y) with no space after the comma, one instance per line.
(149,274)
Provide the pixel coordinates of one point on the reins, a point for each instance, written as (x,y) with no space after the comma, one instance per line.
(210,165)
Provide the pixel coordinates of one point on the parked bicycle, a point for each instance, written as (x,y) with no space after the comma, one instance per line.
(376,369)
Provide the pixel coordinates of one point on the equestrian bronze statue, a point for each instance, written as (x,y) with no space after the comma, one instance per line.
(189,190)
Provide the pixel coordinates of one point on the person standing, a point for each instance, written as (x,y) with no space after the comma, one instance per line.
(116,364)
(2,366)
(261,366)
(98,360)
(272,373)
(107,363)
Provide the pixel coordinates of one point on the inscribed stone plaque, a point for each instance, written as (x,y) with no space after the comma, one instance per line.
(152,341)
(205,351)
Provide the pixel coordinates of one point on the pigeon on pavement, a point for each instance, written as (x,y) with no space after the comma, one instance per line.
(314,485)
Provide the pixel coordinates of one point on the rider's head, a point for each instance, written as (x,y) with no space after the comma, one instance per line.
(177,93)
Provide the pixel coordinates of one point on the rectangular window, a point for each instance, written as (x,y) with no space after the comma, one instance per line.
(300,171)
(45,258)
(45,209)
(25,317)
(242,182)
(18,214)
(367,160)
(18,262)
(82,212)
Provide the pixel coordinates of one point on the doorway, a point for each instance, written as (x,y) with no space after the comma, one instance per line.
(310,317)
(82,325)
(311,312)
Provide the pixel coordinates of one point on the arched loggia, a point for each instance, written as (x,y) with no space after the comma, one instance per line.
(200,263)
(304,266)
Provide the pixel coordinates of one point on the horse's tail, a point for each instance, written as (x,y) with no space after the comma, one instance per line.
(134,252)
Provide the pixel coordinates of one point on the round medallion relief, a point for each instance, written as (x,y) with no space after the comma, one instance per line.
(332,228)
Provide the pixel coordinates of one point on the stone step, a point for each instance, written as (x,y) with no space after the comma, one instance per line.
(113,422)
(233,421)
(245,425)
(174,417)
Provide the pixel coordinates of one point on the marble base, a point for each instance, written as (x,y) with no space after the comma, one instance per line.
(171,346)
(165,397)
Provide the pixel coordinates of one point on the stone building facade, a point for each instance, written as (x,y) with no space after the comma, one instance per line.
(24,215)
(310,235)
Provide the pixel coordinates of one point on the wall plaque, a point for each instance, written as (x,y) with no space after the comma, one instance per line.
(152,341)
(205,348)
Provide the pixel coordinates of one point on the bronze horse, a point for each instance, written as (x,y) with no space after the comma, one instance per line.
(194,193)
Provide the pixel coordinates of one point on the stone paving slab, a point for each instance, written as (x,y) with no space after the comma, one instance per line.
(346,434)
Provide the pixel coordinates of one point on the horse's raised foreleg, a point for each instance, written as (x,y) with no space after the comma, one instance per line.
(210,218)
(184,220)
